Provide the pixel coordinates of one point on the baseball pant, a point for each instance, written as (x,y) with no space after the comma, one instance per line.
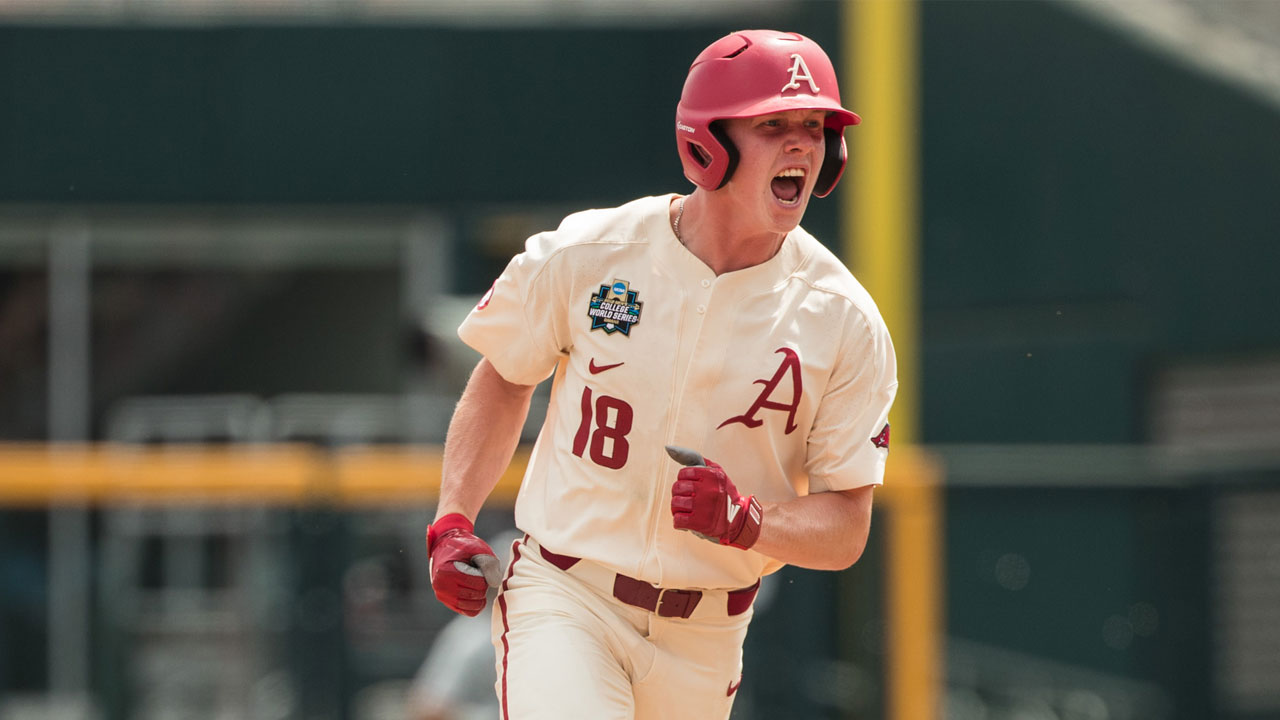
(567,648)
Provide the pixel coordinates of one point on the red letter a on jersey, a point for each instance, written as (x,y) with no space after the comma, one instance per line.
(790,364)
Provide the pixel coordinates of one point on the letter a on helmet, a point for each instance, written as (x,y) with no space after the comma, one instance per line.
(800,72)
(750,73)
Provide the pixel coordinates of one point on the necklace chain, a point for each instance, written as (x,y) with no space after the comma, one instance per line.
(676,226)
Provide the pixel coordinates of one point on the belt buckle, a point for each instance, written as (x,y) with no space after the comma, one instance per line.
(678,603)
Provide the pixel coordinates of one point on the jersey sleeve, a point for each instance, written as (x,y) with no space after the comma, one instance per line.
(849,442)
(520,324)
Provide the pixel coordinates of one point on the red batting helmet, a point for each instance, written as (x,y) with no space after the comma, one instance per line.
(750,73)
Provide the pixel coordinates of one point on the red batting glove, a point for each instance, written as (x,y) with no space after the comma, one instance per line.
(451,539)
(705,502)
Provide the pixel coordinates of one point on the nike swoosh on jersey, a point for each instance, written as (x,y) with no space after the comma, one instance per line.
(595,369)
(733,687)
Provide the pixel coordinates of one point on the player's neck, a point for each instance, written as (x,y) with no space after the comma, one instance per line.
(710,231)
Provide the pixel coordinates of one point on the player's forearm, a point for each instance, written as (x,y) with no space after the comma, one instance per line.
(482,437)
(823,531)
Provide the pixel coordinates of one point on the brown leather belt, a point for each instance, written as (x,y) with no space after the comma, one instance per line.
(665,602)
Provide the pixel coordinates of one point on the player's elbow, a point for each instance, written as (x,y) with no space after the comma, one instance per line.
(848,553)
(837,553)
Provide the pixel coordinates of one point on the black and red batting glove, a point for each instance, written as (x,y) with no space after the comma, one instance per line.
(705,502)
(451,545)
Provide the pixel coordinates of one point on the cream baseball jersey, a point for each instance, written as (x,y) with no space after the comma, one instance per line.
(782,372)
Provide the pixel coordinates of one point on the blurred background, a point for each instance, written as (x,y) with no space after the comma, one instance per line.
(236,237)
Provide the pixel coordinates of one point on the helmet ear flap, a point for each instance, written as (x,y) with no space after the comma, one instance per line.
(833,161)
(697,154)
(722,137)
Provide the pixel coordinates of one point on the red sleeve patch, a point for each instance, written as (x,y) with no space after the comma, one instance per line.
(882,440)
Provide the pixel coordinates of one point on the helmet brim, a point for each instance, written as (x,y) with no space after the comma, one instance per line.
(838,118)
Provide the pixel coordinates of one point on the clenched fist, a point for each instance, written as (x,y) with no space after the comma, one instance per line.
(705,502)
(457,557)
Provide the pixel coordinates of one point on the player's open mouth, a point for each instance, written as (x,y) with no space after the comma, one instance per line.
(788,185)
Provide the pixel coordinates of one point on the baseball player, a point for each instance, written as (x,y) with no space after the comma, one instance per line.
(719,408)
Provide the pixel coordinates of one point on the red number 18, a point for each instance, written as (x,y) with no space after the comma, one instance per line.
(608,426)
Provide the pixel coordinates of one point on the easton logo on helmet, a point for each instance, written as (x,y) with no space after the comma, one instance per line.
(800,71)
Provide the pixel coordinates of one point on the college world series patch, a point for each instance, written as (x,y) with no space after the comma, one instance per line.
(614,308)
